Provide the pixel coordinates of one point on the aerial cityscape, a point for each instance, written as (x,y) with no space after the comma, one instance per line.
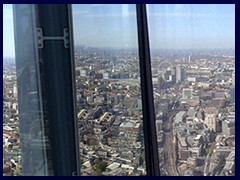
(194,105)
(194,101)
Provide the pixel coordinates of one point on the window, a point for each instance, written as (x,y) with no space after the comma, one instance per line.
(119,90)
(193,68)
(109,103)
(11,136)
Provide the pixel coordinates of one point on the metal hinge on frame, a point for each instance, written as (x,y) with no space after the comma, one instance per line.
(41,37)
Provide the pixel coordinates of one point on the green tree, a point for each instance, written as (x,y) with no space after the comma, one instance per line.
(98,172)
(102,166)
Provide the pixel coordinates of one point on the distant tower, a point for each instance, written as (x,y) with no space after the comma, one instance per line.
(189,58)
(178,73)
(173,74)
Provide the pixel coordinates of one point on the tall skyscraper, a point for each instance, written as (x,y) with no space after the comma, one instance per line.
(178,73)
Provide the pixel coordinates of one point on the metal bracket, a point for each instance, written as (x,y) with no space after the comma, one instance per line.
(41,38)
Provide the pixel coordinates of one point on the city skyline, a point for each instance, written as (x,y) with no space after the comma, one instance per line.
(170,26)
(194,103)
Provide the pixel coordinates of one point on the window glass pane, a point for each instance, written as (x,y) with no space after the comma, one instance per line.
(108,90)
(193,68)
(24,141)
(11,138)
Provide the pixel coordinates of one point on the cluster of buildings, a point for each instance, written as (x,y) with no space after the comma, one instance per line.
(194,104)
(110,114)
(203,99)
(11,136)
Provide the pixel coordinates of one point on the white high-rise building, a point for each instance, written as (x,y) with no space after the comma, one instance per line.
(178,73)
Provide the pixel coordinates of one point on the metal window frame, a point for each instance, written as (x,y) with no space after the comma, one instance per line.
(149,126)
(58,80)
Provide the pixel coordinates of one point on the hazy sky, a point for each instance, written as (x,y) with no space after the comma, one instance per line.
(8,40)
(170,26)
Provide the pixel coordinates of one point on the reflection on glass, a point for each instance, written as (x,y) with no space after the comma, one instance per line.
(193,67)
(108,90)
(24,143)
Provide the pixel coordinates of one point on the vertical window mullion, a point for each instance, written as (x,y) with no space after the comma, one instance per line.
(57,73)
(150,138)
